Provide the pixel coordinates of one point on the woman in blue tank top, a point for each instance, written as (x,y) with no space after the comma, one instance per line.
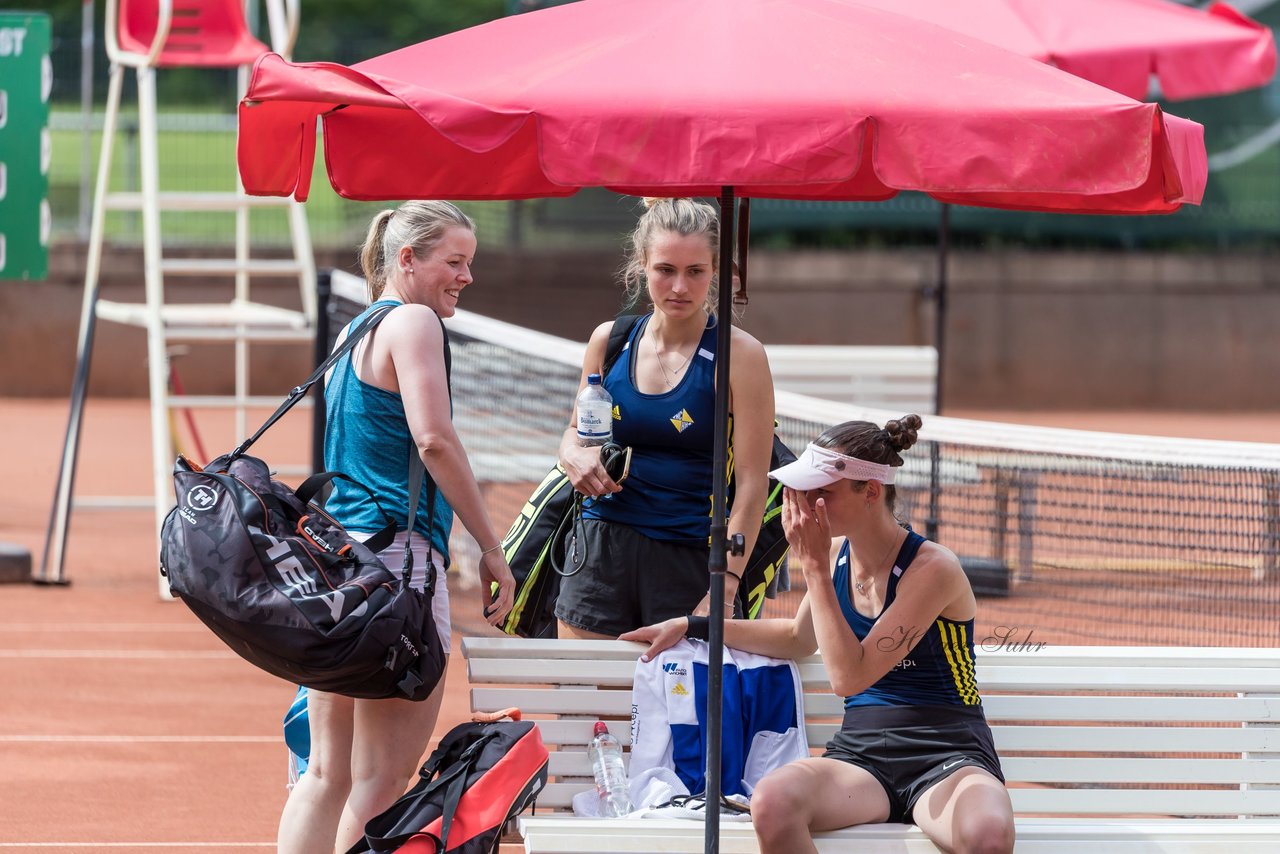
(894,622)
(386,401)
(641,549)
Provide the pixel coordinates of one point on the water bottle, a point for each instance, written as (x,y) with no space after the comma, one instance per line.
(595,414)
(611,776)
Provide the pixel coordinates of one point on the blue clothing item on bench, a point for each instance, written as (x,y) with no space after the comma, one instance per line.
(763,716)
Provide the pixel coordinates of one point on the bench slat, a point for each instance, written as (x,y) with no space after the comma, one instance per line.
(585,701)
(1038,769)
(990,679)
(1177,709)
(1134,739)
(1035,836)
(1172,802)
(1012,737)
(566,701)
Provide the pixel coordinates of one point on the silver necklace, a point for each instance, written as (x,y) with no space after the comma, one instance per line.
(861,586)
(667,377)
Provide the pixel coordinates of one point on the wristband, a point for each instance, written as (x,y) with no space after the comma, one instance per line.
(484,552)
(699,628)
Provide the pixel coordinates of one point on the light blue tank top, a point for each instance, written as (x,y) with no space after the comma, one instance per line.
(367,438)
(938,671)
(667,494)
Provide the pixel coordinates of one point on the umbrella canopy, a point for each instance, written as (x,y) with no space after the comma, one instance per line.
(1194,53)
(804,99)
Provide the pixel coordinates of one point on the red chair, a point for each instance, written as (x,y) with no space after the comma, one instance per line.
(147,35)
(172,33)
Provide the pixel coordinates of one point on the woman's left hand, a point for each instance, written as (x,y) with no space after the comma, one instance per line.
(494,570)
(808,530)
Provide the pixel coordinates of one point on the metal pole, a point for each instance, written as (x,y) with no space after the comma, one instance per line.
(939,346)
(717,561)
(323,291)
(86,115)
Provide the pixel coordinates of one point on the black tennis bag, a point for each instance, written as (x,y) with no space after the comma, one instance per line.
(286,587)
(480,777)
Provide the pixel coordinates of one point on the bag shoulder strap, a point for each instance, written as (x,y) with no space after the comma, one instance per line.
(622,326)
(353,338)
(417,472)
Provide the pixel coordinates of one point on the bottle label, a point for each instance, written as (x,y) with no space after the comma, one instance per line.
(595,420)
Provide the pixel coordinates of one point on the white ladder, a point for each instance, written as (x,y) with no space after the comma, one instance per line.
(240,321)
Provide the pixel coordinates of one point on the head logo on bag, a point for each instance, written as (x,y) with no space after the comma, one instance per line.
(202,498)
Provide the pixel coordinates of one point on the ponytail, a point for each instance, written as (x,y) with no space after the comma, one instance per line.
(372,259)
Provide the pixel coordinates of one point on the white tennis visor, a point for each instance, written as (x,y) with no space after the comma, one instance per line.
(822,467)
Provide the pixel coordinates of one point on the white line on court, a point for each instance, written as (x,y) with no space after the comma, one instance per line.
(142,739)
(81,846)
(167,628)
(185,654)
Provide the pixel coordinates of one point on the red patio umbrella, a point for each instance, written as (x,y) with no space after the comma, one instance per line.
(1120,44)
(1194,53)
(810,99)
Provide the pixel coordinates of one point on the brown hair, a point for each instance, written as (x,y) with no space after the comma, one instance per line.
(678,216)
(418,224)
(867,441)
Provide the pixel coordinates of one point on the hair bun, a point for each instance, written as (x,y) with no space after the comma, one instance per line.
(902,432)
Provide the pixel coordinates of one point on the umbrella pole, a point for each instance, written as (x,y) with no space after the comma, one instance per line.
(717,561)
(939,346)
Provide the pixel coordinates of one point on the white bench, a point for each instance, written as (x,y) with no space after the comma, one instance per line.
(1106,749)
(896,378)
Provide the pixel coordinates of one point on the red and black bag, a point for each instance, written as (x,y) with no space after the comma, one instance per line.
(482,775)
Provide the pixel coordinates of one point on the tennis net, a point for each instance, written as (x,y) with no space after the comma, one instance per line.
(1069,537)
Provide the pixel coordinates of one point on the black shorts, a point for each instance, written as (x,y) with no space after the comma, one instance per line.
(629,580)
(910,748)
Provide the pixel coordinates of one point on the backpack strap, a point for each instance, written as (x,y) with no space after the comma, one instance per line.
(618,335)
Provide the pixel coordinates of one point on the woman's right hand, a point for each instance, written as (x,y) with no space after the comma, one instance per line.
(660,636)
(586,471)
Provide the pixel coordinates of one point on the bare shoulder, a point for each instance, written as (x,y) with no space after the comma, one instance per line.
(601,334)
(936,564)
(412,332)
(747,354)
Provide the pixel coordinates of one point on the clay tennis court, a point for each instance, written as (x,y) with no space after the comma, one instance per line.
(124,724)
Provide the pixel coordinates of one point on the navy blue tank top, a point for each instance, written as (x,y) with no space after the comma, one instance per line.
(937,671)
(367,438)
(667,494)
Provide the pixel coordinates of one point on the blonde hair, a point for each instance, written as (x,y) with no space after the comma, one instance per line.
(416,224)
(677,216)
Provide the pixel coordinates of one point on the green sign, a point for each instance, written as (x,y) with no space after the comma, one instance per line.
(26,78)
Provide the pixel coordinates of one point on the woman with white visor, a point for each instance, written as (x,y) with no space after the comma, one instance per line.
(894,622)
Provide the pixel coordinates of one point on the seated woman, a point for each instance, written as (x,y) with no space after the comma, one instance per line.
(894,622)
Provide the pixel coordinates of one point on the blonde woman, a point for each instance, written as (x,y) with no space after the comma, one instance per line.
(388,396)
(643,545)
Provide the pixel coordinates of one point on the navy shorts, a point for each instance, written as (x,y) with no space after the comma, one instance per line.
(628,580)
(910,748)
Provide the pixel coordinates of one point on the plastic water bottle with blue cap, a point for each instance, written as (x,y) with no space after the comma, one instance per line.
(595,414)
